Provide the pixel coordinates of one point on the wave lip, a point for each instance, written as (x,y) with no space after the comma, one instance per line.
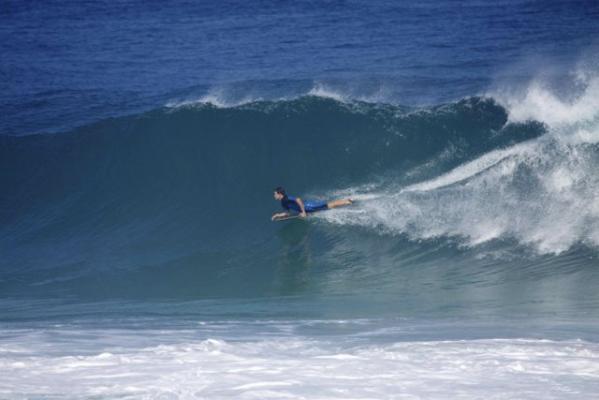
(540,103)
(215,97)
(235,95)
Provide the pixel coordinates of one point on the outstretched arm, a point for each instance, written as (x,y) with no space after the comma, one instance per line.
(300,203)
(276,216)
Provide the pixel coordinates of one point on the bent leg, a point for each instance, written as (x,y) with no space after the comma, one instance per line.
(339,203)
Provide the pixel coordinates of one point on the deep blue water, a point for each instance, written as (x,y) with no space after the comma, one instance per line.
(65,63)
(139,146)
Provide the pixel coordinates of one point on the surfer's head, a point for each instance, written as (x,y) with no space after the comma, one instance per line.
(280,193)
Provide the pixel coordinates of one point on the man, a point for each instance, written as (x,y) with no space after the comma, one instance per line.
(303,207)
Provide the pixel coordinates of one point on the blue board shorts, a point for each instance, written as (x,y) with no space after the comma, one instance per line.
(315,205)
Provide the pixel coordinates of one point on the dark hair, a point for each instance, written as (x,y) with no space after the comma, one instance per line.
(280,190)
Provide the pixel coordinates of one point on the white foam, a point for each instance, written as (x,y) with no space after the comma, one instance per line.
(228,96)
(321,90)
(223,97)
(471,169)
(299,368)
(539,103)
(217,97)
(350,94)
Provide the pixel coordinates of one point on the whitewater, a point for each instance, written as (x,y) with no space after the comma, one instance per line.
(297,367)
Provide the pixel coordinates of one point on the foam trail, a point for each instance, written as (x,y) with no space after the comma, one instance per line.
(468,170)
(543,194)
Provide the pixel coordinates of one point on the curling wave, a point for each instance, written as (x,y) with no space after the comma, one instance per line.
(176,202)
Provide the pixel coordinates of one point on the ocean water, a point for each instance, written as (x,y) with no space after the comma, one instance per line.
(139,146)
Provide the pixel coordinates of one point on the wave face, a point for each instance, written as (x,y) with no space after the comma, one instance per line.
(175,203)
